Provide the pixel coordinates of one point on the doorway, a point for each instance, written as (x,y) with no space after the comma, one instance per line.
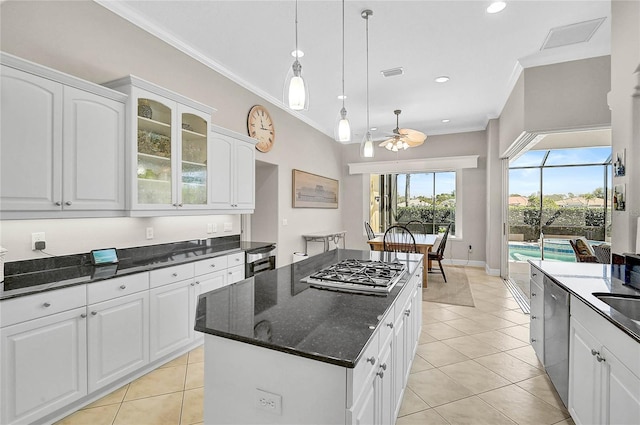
(264,220)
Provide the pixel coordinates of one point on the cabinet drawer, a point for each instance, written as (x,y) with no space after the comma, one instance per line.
(401,301)
(235,259)
(365,368)
(535,275)
(386,327)
(118,287)
(210,265)
(39,305)
(170,275)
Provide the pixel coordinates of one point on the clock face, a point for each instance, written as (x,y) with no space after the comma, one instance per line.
(260,127)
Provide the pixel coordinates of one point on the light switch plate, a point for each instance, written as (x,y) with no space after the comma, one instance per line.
(228,227)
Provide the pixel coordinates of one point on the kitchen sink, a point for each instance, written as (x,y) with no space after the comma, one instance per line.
(628,305)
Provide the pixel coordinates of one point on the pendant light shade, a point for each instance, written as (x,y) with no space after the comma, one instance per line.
(343,128)
(296,91)
(366,146)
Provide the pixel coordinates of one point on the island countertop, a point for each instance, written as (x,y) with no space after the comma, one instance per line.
(278,311)
(582,280)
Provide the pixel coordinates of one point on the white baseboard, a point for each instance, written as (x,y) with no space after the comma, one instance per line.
(491,272)
(456,262)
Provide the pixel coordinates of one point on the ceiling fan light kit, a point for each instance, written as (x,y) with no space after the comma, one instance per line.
(366,146)
(343,129)
(296,90)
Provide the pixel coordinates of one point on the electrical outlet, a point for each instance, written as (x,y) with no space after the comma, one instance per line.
(285,222)
(268,401)
(228,227)
(149,232)
(470,249)
(37,237)
(214,228)
(210,228)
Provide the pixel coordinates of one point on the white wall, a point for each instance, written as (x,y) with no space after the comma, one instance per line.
(624,101)
(86,40)
(494,217)
(472,194)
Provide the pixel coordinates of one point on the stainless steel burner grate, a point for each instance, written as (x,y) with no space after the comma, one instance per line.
(362,276)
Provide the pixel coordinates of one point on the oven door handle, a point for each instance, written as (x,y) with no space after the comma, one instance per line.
(261,250)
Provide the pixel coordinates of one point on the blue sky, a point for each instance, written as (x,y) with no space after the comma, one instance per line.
(422,184)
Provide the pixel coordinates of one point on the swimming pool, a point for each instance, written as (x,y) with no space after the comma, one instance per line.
(554,250)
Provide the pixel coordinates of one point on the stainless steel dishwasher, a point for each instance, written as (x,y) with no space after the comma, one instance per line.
(556,336)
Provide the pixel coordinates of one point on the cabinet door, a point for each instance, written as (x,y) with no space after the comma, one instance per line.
(93,174)
(245,176)
(621,392)
(31,142)
(118,338)
(398,360)
(156,153)
(206,283)
(363,411)
(584,376)
(220,158)
(172,308)
(43,365)
(385,397)
(193,175)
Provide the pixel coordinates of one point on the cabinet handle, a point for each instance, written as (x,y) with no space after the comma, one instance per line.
(533,340)
(83,315)
(237,259)
(212,265)
(533,317)
(174,274)
(58,203)
(68,203)
(372,360)
(123,286)
(390,324)
(533,294)
(175,205)
(407,312)
(197,282)
(383,366)
(599,358)
(193,284)
(230,272)
(534,274)
(180,204)
(46,304)
(380,374)
(93,313)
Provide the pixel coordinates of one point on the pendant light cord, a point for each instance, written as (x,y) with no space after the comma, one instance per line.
(296,29)
(367,27)
(342,54)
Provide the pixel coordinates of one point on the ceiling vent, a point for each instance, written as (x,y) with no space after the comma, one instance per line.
(393,72)
(571,34)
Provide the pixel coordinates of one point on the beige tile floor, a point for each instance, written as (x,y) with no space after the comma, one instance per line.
(474,365)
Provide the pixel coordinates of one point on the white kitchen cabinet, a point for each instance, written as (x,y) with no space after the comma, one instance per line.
(536,320)
(167,147)
(172,308)
(50,119)
(603,388)
(233,171)
(43,364)
(118,332)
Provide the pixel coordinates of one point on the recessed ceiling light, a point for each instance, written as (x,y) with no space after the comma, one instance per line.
(373,128)
(442,79)
(496,6)
(342,96)
(446,120)
(300,53)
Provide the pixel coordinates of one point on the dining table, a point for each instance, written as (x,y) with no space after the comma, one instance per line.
(424,244)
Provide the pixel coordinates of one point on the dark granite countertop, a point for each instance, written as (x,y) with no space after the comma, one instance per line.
(277,311)
(46,274)
(584,279)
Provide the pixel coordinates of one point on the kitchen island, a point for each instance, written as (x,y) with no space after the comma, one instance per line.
(280,351)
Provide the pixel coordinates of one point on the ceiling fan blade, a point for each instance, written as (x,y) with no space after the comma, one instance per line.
(413,136)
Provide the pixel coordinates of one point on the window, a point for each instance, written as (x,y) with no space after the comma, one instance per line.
(400,198)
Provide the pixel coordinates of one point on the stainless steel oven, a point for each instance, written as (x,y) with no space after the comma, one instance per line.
(260,260)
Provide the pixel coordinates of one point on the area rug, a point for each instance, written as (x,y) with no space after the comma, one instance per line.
(455,291)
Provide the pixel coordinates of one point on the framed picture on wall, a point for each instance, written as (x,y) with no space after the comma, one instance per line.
(314,191)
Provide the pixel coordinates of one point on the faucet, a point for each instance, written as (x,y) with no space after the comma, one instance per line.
(541,246)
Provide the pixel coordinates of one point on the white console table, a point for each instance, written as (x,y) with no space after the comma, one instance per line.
(324,237)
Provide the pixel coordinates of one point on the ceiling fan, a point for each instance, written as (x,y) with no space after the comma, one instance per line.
(403,138)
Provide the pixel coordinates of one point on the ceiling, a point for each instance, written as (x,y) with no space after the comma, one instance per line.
(483,54)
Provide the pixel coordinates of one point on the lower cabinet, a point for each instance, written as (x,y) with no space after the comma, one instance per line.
(44,365)
(118,338)
(603,389)
(536,320)
(171,312)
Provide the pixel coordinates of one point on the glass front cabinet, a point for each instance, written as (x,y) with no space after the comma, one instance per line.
(168,146)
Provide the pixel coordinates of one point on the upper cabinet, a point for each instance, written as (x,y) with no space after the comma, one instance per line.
(168,146)
(62,142)
(232,162)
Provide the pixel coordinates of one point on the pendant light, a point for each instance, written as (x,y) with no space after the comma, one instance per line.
(296,92)
(366,146)
(343,128)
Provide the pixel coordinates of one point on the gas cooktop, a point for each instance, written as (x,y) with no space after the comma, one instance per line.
(359,276)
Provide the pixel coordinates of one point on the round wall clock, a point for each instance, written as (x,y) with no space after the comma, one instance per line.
(260,127)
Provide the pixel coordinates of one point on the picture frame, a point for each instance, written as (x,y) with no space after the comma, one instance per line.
(314,191)
(619,163)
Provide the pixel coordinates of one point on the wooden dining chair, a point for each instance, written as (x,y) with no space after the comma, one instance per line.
(398,239)
(438,255)
(370,234)
(417,226)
